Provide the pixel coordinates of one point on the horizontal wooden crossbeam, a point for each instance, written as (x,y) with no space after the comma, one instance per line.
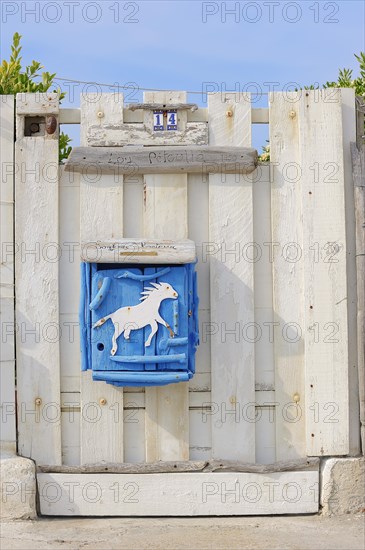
(163,160)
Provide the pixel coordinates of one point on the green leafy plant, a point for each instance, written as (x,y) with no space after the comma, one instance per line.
(14,79)
(344,80)
(64,147)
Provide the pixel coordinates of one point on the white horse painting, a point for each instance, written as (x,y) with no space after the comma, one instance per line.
(126,319)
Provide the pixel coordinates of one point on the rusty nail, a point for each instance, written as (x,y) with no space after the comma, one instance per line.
(229,114)
(51,124)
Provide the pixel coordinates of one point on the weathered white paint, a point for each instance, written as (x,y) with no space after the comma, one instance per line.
(181,494)
(101,218)
(232,287)
(165,217)
(7,352)
(325,274)
(36,286)
(37,104)
(73,116)
(139,251)
(287,261)
(111,135)
(130,215)
(349,135)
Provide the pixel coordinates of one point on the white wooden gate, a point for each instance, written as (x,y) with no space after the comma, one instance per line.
(276,271)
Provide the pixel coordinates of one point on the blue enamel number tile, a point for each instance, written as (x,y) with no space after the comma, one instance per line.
(158,123)
(139,324)
(172,120)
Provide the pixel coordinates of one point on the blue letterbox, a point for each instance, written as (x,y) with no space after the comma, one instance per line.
(139,323)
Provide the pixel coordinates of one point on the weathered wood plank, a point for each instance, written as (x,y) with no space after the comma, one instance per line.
(101,217)
(358,162)
(349,135)
(146,251)
(232,287)
(36,285)
(160,106)
(7,351)
(165,216)
(73,116)
(305,464)
(37,104)
(116,135)
(264,347)
(182,494)
(325,273)
(163,160)
(286,258)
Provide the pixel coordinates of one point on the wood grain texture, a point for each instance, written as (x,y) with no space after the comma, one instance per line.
(232,287)
(160,106)
(182,494)
(349,135)
(7,304)
(145,251)
(73,116)
(36,286)
(101,218)
(305,464)
(163,160)
(37,104)
(358,162)
(165,217)
(325,275)
(288,275)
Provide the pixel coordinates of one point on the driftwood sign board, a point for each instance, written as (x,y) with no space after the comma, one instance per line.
(163,160)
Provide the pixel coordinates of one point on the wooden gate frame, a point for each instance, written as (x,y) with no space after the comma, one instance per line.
(304,129)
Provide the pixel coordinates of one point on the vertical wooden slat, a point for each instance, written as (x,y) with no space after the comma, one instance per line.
(231,284)
(7,353)
(358,160)
(36,280)
(263,289)
(287,266)
(69,289)
(167,407)
(101,217)
(349,135)
(325,278)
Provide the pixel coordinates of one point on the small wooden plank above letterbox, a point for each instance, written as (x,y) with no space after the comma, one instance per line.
(139,251)
(163,160)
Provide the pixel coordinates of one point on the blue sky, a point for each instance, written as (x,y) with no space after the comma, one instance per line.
(184,44)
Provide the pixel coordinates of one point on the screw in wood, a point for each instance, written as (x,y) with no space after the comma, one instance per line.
(229,114)
(100,114)
(292,114)
(296,398)
(102,401)
(38,401)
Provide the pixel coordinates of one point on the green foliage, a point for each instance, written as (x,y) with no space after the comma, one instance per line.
(265,155)
(344,80)
(64,147)
(14,80)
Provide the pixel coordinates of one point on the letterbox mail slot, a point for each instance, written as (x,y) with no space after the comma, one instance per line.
(139,322)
